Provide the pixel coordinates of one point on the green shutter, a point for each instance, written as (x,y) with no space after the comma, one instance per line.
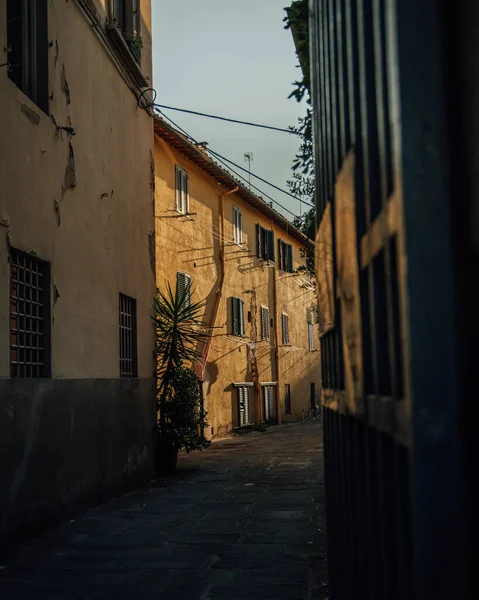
(290,258)
(241,316)
(259,246)
(184,192)
(270,244)
(235,315)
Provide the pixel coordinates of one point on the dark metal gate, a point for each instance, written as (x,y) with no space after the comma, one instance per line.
(398,443)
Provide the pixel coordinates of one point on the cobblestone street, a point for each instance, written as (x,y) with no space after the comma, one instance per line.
(242,520)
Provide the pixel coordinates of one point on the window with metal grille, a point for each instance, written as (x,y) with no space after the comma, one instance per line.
(237,316)
(182,199)
(244,416)
(285,328)
(268,402)
(237,226)
(310,336)
(264,243)
(287,398)
(264,317)
(285,256)
(29,316)
(128,337)
(183,286)
(27,43)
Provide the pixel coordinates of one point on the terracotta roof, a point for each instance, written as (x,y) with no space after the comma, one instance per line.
(201,159)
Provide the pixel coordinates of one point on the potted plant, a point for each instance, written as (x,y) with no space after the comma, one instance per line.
(179,335)
(135,44)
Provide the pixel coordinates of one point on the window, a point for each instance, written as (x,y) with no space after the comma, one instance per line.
(264,316)
(29,316)
(127,16)
(183,286)
(268,402)
(310,336)
(285,256)
(287,398)
(237,226)
(27,40)
(285,328)
(244,417)
(181,190)
(264,243)
(128,343)
(237,313)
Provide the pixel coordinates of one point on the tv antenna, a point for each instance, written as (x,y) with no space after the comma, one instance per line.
(248,157)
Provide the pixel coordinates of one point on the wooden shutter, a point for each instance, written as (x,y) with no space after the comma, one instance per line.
(183,285)
(259,245)
(270,245)
(178,189)
(280,254)
(285,324)
(235,315)
(289,265)
(184,192)
(264,323)
(268,402)
(241,316)
(240,227)
(310,336)
(243,405)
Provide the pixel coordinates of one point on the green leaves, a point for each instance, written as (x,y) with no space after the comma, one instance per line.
(180,337)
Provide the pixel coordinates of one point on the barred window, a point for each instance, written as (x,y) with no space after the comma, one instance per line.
(30,327)
(128,337)
(264,316)
(285,328)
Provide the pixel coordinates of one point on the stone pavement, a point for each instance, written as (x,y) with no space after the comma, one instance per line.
(242,520)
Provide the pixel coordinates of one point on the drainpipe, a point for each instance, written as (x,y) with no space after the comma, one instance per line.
(276,343)
(219,291)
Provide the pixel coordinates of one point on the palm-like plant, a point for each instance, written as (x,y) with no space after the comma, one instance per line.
(180,333)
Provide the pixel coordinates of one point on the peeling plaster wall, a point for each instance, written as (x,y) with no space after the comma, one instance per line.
(192,244)
(82,202)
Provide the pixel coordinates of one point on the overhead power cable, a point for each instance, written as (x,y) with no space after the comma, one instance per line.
(260,178)
(249,123)
(227,166)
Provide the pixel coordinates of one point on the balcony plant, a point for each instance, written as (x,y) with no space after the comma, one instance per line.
(135,44)
(180,334)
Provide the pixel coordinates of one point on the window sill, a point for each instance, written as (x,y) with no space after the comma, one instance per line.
(126,56)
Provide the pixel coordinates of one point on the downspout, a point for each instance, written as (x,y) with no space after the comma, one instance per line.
(276,344)
(219,291)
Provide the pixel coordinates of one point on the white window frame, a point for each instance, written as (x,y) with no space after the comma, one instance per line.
(264,322)
(182,197)
(187,282)
(237,226)
(285,329)
(310,336)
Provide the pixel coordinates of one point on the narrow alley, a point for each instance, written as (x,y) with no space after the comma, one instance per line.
(243,520)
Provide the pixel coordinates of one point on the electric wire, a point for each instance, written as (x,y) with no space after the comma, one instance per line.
(238,121)
(229,168)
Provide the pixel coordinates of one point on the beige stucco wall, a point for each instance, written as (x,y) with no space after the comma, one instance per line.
(96,234)
(192,244)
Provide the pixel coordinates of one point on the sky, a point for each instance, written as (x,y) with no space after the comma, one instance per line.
(231,58)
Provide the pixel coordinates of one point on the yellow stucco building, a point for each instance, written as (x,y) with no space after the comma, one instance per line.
(233,249)
(77,275)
